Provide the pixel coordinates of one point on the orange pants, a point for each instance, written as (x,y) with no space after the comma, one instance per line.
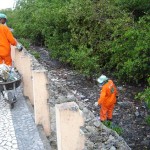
(106,112)
(6,60)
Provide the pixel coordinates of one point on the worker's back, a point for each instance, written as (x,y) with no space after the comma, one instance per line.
(6,39)
(111,92)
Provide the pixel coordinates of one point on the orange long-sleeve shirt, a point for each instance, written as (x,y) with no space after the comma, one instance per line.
(108,94)
(6,40)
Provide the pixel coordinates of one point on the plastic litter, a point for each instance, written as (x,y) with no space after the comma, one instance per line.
(7,73)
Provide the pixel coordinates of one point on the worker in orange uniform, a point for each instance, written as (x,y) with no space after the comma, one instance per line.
(107,99)
(6,40)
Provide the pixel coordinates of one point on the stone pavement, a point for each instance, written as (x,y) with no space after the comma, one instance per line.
(17,128)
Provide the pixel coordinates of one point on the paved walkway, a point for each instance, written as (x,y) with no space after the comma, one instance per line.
(17,128)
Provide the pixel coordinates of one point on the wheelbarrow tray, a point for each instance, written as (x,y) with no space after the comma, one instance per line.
(10,84)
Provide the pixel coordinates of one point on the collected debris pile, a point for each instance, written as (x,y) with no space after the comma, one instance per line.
(8,73)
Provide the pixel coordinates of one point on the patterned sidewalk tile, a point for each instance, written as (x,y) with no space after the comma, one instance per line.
(17,128)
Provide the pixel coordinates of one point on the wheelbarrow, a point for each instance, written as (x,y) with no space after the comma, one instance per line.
(8,90)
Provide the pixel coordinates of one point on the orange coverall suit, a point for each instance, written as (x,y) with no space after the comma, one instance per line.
(6,40)
(107,100)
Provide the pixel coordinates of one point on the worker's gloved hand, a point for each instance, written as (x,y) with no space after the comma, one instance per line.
(19,47)
(96,104)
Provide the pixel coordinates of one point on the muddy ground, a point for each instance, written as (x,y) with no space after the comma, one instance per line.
(129,114)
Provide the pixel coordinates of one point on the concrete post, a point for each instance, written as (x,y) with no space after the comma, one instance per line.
(68,123)
(41,96)
(23,63)
(17,58)
(27,79)
(13,52)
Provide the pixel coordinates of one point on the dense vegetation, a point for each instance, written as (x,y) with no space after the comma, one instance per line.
(93,36)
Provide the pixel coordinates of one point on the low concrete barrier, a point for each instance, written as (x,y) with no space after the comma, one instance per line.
(41,107)
(23,62)
(69,119)
(34,86)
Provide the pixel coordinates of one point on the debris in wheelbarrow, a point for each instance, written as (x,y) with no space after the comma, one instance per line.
(7,73)
(9,81)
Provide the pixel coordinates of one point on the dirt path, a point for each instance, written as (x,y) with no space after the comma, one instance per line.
(129,114)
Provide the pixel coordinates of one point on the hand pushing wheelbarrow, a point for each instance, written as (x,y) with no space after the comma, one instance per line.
(9,81)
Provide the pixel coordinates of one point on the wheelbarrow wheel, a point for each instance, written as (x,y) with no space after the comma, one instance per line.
(14,99)
(12,105)
(11,98)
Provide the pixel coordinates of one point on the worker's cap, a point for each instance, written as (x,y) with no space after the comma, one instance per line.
(3,16)
(102,79)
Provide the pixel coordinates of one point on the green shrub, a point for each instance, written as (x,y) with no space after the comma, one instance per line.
(92,25)
(147,120)
(90,35)
(83,61)
(114,127)
(35,54)
(137,7)
(130,53)
(145,95)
